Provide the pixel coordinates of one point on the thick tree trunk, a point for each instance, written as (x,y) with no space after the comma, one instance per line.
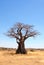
(21,49)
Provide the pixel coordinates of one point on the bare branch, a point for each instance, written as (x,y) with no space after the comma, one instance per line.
(18,29)
(32,34)
(12,34)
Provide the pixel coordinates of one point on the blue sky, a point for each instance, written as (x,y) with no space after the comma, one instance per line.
(27,12)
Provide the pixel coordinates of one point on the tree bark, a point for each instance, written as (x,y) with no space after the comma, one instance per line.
(21,49)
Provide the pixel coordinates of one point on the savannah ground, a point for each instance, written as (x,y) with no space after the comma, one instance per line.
(33,57)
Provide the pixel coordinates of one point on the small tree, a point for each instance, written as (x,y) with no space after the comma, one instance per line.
(21,32)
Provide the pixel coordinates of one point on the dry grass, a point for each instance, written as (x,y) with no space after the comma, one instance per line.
(8,57)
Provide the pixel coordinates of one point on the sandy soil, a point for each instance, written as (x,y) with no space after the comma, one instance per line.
(8,57)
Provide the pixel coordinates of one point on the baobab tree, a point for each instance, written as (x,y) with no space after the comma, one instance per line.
(21,32)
